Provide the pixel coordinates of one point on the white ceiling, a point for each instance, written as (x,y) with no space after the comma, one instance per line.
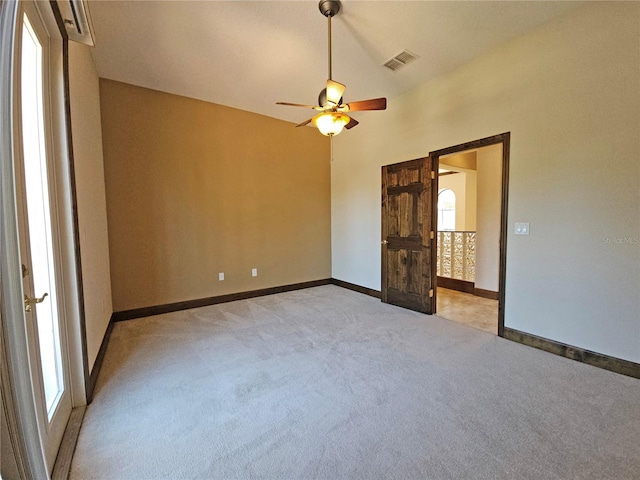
(250,54)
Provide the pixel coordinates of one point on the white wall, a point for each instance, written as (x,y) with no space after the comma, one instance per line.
(90,189)
(489,184)
(569,94)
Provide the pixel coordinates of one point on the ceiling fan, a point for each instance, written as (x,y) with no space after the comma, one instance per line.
(333,113)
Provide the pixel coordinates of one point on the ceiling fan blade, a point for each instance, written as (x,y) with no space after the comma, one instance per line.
(315,107)
(334,91)
(352,123)
(372,104)
(306,122)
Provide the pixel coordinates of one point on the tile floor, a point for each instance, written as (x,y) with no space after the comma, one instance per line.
(477,312)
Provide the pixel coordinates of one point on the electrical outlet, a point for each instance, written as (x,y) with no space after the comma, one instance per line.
(522,228)
(221,276)
(254,272)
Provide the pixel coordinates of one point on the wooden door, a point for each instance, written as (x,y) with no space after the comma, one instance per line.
(407,236)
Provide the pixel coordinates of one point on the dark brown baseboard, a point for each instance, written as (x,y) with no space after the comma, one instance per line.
(203,302)
(618,365)
(455,284)
(356,288)
(466,287)
(479,292)
(97,365)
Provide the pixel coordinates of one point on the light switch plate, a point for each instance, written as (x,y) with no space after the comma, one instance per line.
(221,276)
(522,228)
(254,272)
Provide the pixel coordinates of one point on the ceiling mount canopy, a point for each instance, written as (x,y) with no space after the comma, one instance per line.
(329,8)
(332,117)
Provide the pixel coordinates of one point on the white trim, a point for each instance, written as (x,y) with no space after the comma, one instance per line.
(61,176)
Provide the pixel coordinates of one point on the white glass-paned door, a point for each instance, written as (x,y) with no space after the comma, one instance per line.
(39,217)
(38,66)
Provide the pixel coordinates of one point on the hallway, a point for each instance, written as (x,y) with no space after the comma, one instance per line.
(468,309)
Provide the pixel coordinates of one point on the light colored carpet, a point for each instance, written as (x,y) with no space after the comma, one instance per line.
(326,383)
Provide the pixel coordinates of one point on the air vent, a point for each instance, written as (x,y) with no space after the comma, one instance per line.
(393,64)
(400,60)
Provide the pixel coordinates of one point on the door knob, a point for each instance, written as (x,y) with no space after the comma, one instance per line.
(32,301)
(384,242)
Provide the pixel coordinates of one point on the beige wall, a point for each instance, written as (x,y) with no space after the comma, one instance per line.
(471,200)
(489,184)
(568,93)
(90,190)
(462,160)
(194,189)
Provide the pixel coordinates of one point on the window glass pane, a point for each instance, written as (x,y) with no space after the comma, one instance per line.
(446,210)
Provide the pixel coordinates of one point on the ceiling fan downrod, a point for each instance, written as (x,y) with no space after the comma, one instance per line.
(329,8)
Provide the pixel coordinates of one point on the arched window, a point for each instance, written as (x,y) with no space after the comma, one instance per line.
(446,210)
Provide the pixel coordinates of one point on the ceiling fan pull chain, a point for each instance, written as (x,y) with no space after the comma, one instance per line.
(331,146)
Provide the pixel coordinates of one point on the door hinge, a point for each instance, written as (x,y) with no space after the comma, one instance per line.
(432,234)
(433,175)
(431,293)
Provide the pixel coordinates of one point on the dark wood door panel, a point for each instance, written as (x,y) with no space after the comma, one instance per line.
(405,213)
(405,300)
(406,225)
(413,243)
(404,270)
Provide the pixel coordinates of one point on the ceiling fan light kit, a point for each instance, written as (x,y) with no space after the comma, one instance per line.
(331,123)
(333,119)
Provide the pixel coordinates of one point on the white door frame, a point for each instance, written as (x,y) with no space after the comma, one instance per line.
(17,387)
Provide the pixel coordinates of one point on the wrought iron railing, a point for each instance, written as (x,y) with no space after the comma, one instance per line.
(457,255)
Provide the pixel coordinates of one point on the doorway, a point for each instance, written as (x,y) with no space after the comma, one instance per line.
(470,210)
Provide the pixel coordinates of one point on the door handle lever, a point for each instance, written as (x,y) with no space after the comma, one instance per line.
(32,301)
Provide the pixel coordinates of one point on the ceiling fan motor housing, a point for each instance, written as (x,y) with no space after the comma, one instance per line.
(329,8)
(322,98)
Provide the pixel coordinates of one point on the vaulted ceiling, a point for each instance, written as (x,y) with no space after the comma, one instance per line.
(250,54)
